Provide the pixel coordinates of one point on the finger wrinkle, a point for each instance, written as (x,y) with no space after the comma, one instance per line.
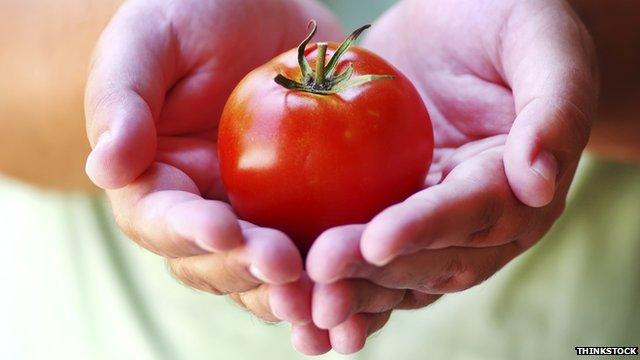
(183,273)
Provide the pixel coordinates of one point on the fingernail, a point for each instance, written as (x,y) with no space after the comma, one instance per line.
(379,260)
(204,245)
(257,273)
(93,167)
(103,140)
(275,313)
(546,166)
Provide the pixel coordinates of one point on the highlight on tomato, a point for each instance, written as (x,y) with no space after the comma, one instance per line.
(322,135)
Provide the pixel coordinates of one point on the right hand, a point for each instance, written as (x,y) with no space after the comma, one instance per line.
(160,77)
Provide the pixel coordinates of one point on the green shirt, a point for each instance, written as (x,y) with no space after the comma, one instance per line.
(75,288)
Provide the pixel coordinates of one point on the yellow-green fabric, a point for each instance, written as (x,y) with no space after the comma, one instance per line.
(74,288)
(579,286)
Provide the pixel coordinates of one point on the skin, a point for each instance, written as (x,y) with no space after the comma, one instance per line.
(318,153)
(615,135)
(511,103)
(154,92)
(509,133)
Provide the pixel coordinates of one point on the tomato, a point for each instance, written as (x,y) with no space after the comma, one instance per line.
(302,156)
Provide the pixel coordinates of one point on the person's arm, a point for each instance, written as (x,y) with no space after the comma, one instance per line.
(43,65)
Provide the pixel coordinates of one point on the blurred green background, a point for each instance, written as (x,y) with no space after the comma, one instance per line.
(355,13)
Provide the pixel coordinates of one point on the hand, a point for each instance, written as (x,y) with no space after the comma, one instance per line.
(511,87)
(161,74)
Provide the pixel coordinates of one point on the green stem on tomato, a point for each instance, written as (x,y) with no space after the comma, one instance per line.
(305,69)
(320,61)
(346,44)
(324,81)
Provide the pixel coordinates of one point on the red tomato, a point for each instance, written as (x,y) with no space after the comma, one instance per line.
(303,161)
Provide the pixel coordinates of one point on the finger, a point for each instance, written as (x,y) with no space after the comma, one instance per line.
(350,336)
(336,302)
(475,197)
(267,256)
(416,300)
(163,212)
(335,253)
(130,72)
(548,61)
(257,302)
(471,149)
(432,271)
(195,101)
(436,271)
(461,211)
(440,271)
(310,340)
(197,158)
(291,302)
(447,159)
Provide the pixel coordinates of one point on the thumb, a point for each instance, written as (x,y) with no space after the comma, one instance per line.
(545,141)
(549,63)
(124,95)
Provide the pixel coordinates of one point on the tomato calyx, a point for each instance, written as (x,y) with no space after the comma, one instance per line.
(323,80)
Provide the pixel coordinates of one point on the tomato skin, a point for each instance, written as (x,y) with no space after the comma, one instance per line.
(302,162)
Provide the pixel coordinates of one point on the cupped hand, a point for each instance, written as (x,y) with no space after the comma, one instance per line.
(511,87)
(160,76)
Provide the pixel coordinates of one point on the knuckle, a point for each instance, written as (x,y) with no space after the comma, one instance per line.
(472,276)
(232,269)
(491,213)
(415,300)
(181,270)
(124,220)
(488,219)
(458,275)
(386,276)
(455,265)
(469,278)
(245,301)
(479,237)
(238,300)
(126,226)
(254,302)
(124,223)
(438,285)
(445,281)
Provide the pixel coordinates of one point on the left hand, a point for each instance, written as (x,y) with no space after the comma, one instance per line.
(511,87)
(157,84)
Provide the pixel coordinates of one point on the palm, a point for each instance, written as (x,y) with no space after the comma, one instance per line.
(509,86)
(163,71)
(470,106)
(208,63)
(160,78)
